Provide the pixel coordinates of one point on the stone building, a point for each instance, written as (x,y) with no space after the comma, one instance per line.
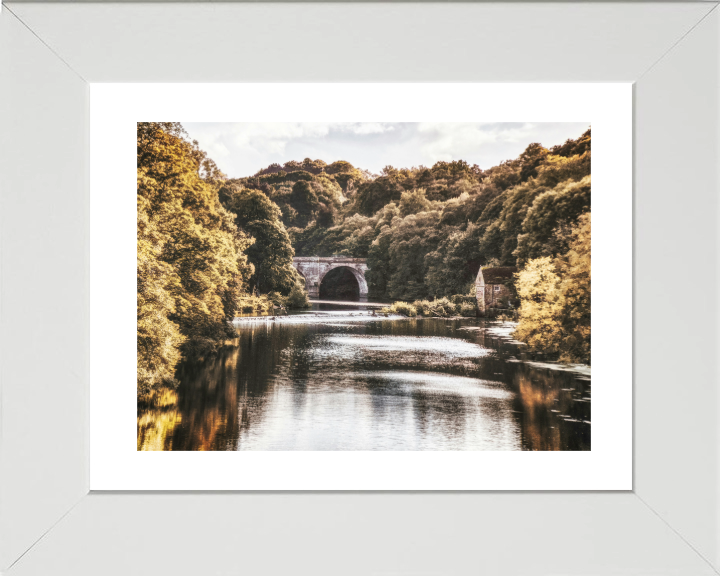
(491,288)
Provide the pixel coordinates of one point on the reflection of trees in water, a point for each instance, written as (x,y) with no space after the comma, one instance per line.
(552,416)
(223,399)
(218,397)
(409,359)
(249,382)
(446,413)
(538,399)
(207,400)
(300,359)
(156,421)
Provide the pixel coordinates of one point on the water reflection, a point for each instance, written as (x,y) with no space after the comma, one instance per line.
(351,381)
(157,421)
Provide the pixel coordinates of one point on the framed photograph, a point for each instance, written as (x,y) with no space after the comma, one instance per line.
(343,272)
(348,399)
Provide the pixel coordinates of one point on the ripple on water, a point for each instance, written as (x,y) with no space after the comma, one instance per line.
(449,347)
(445,384)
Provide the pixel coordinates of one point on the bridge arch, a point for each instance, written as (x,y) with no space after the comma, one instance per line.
(335,285)
(315,268)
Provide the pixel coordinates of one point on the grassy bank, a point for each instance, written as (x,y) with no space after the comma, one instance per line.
(439,308)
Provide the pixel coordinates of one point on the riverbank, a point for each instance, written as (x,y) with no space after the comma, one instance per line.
(505,330)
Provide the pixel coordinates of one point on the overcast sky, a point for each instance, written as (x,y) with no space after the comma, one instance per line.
(241,149)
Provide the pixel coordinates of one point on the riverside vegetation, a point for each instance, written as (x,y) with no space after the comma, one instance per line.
(210,246)
(457,305)
(199,260)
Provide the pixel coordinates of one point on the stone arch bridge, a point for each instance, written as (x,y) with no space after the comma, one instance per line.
(319,275)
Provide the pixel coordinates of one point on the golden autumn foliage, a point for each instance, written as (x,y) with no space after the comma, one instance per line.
(555,299)
(158,337)
(538,289)
(156,425)
(192,267)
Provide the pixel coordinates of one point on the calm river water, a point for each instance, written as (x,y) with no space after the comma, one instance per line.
(345,380)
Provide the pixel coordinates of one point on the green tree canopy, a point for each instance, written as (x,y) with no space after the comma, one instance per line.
(272,253)
(552,212)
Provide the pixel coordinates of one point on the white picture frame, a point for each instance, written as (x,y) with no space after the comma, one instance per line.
(115,463)
(668,524)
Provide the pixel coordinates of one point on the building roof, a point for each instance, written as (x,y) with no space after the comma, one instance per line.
(498,275)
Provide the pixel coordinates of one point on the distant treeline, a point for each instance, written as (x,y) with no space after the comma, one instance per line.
(426,231)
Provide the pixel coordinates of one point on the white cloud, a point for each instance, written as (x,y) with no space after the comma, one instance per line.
(367,127)
(455,140)
(272,138)
(241,149)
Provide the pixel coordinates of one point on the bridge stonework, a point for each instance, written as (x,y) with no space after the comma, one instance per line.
(314,268)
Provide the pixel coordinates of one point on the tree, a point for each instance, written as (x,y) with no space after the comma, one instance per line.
(555,300)
(504,216)
(410,239)
(272,252)
(455,170)
(298,297)
(538,287)
(413,202)
(530,159)
(574,268)
(453,266)
(550,212)
(558,169)
(573,147)
(373,195)
(425,231)
(191,263)
(379,263)
(304,200)
(340,166)
(158,337)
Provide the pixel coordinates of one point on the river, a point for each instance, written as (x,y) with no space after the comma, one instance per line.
(334,379)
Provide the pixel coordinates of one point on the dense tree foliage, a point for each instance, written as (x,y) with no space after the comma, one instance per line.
(191,261)
(307,191)
(192,258)
(426,231)
(158,336)
(271,254)
(555,299)
(551,214)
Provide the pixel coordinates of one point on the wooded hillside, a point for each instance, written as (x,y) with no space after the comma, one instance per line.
(426,231)
(210,246)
